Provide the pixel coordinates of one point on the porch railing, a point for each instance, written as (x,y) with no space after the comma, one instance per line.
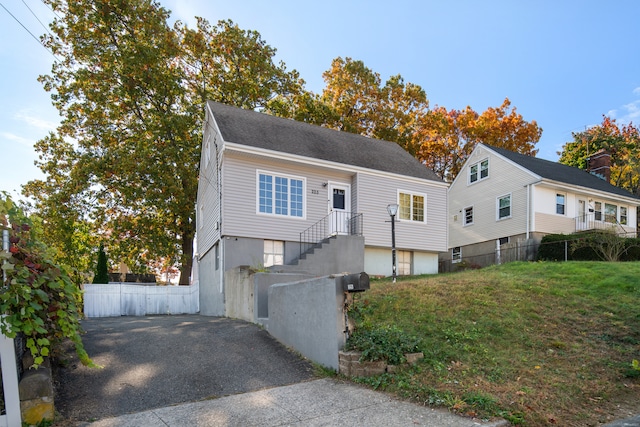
(598,221)
(336,223)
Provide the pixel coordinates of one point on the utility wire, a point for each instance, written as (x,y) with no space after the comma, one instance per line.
(27,30)
(37,19)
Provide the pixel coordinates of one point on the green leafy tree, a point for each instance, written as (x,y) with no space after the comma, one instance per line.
(102,270)
(621,141)
(131,91)
(38,299)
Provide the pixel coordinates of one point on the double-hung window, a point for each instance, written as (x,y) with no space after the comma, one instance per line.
(479,171)
(273,253)
(623,215)
(504,206)
(560,204)
(280,195)
(411,206)
(456,254)
(468,215)
(597,211)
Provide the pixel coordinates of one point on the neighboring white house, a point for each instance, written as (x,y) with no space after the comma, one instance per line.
(269,186)
(505,198)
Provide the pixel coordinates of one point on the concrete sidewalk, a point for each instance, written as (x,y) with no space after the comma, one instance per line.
(322,402)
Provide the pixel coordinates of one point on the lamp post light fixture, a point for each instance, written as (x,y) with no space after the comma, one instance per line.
(392,209)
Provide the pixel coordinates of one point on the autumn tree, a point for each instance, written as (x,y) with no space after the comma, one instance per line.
(447,137)
(621,141)
(131,91)
(355,100)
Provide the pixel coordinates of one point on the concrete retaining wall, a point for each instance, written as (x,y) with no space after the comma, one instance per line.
(309,316)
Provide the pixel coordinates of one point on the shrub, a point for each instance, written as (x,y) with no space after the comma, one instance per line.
(39,297)
(388,343)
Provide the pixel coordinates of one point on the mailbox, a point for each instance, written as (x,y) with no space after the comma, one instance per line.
(357,282)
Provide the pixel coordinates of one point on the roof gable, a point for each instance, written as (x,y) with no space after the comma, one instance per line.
(289,136)
(562,173)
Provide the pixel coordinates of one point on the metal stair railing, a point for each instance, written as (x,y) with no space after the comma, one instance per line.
(336,223)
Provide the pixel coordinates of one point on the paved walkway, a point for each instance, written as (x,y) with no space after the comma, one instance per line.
(202,371)
(323,402)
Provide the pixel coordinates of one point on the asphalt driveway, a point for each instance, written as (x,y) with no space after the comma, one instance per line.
(155,361)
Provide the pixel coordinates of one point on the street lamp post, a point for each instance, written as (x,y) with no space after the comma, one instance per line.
(392,209)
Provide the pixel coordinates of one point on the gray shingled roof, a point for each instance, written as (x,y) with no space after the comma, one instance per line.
(561,173)
(289,136)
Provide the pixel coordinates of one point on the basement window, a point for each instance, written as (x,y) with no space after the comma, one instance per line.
(273,253)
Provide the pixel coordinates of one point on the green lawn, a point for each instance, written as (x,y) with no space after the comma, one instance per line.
(536,343)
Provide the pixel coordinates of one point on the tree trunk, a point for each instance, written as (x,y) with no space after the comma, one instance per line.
(187,259)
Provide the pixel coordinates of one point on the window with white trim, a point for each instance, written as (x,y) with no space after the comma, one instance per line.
(610,213)
(503,206)
(403,261)
(597,211)
(411,206)
(280,195)
(456,254)
(479,171)
(623,215)
(468,215)
(560,204)
(273,253)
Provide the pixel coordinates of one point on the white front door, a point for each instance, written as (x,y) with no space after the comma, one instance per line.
(339,207)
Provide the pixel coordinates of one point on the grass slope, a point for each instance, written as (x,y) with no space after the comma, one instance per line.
(537,343)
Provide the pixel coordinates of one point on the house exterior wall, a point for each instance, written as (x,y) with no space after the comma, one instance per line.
(504,178)
(211,290)
(239,200)
(208,206)
(547,221)
(533,208)
(376,192)
(370,195)
(377,262)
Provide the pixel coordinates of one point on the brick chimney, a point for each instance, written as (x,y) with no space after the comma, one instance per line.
(599,164)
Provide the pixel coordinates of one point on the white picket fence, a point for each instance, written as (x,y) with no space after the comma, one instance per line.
(130,299)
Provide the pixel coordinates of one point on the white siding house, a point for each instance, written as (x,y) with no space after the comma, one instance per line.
(505,198)
(264,180)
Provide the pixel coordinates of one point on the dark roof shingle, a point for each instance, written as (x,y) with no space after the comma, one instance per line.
(561,173)
(289,136)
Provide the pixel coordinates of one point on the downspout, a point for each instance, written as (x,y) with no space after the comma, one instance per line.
(528,210)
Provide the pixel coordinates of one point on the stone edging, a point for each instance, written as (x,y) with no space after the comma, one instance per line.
(351,366)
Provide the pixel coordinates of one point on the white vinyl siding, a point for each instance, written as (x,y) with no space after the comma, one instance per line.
(240,198)
(505,178)
(208,212)
(376,192)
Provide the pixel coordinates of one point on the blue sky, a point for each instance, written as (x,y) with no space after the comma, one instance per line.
(561,63)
